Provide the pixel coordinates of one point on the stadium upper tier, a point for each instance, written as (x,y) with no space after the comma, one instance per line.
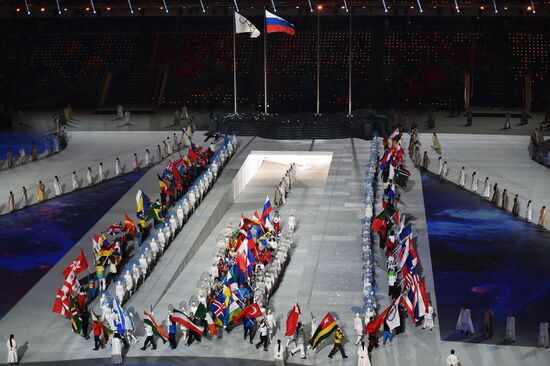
(415,62)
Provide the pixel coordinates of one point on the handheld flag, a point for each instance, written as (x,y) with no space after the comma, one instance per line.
(157,330)
(243,25)
(323,331)
(61,304)
(292,320)
(80,264)
(182,319)
(274,24)
(129,225)
(164,186)
(252,311)
(143,203)
(76,321)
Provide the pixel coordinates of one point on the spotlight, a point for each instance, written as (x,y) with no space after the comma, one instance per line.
(310,7)
(42,9)
(93,6)
(108,9)
(236,5)
(319,7)
(87,9)
(529,8)
(272,5)
(165,6)
(481,7)
(18,10)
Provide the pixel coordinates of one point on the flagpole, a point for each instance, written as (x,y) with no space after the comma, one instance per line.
(349,69)
(265,62)
(234,66)
(318,53)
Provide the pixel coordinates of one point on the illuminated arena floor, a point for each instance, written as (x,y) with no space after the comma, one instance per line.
(485,258)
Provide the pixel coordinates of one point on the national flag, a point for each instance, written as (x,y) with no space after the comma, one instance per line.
(243,25)
(406,232)
(416,299)
(323,331)
(292,320)
(392,317)
(226,291)
(129,225)
(395,134)
(267,210)
(105,330)
(212,329)
(157,330)
(379,221)
(61,304)
(373,325)
(274,23)
(120,319)
(115,229)
(201,311)
(79,265)
(251,311)
(182,319)
(164,186)
(403,172)
(71,284)
(177,175)
(155,213)
(386,159)
(193,156)
(143,202)
(218,309)
(234,310)
(76,321)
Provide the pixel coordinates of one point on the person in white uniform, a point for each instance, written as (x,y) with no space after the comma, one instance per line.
(118,168)
(279,354)
(510,334)
(452,359)
(543,334)
(57,186)
(76,184)
(101,172)
(363,355)
(358,327)
(12,350)
(90,176)
(462,178)
(464,323)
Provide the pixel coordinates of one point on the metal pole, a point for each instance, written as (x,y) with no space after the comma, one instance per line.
(349,69)
(234,66)
(265,63)
(318,54)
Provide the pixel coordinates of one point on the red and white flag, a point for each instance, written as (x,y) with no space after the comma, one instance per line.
(61,304)
(71,284)
(80,264)
(292,320)
(251,311)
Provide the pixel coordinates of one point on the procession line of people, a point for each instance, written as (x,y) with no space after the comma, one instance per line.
(470,181)
(169,146)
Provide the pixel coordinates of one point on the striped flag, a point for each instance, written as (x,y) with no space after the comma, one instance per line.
(415,300)
(182,319)
(323,331)
(157,330)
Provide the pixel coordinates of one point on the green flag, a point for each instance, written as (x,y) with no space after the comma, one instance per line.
(201,311)
(76,321)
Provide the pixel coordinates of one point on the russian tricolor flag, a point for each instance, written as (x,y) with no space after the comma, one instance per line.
(274,24)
